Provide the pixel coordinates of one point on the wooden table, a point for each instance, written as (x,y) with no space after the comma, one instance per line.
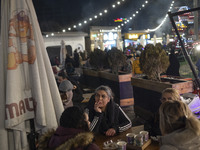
(100,139)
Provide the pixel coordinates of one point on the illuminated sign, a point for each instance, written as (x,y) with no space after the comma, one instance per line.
(94,35)
(120,19)
(180,26)
(133,36)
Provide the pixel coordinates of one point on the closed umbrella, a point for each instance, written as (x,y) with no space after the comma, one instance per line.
(118,42)
(167,40)
(28,87)
(154,39)
(63,53)
(142,42)
(95,43)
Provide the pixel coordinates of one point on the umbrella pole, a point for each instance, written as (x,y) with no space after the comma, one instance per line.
(188,58)
(32,136)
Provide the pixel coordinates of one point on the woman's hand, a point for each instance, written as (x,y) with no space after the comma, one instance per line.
(97,108)
(110,132)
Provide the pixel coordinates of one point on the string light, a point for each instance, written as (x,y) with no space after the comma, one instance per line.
(96,16)
(119,26)
(163,21)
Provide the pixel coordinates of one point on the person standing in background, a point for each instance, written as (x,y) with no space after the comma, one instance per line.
(174,66)
(76,58)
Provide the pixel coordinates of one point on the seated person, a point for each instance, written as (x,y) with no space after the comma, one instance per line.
(167,94)
(77,91)
(72,134)
(105,115)
(170,94)
(180,129)
(66,93)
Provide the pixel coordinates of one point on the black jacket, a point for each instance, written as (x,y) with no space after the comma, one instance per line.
(113,117)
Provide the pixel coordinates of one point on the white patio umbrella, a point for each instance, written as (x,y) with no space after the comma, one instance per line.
(101,43)
(154,39)
(63,52)
(95,43)
(167,39)
(142,40)
(28,89)
(118,43)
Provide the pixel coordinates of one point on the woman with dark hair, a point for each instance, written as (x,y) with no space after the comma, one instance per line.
(105,115)
(72,134)
(180,129)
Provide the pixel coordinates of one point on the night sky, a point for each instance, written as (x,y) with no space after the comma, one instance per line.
(55,15)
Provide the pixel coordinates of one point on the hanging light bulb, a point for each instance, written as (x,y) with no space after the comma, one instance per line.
(105,11)
(63,30)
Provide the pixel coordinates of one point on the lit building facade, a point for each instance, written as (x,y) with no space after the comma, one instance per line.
(105,37)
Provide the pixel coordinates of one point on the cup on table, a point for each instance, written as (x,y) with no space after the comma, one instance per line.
(139,139)
(130,138)
(145,135)
(121,145)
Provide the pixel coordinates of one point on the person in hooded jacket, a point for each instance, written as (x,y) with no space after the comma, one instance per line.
(72,134)
(180,129)
(105,115)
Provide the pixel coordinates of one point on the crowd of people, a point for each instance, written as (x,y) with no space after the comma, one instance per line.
(176,125)
(173,124)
